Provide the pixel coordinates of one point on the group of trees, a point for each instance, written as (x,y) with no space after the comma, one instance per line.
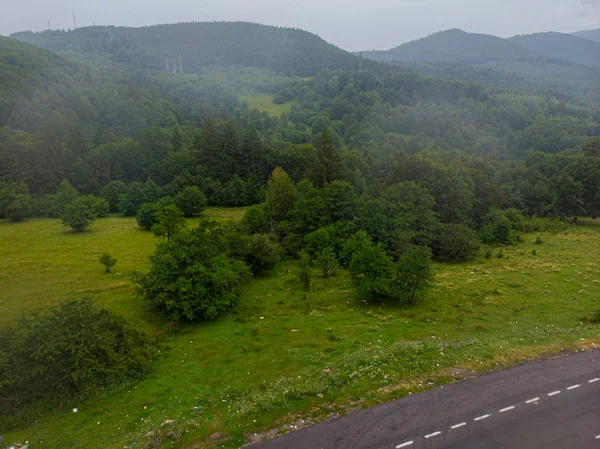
(196,272)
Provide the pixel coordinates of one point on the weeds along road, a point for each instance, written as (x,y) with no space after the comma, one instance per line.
(544,405)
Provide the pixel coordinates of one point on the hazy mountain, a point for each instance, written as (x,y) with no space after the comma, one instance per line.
(36,83)
(455,46)
(199,45)
(593,35)
(505,55)
(38,87)
(566,47)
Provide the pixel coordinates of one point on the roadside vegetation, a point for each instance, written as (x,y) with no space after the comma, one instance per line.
(287,353)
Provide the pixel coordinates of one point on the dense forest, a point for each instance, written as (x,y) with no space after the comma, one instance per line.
(187,47)
(97,126)
(565,47)
(551,62)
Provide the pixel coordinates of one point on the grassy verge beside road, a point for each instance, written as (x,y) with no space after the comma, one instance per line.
(285,355)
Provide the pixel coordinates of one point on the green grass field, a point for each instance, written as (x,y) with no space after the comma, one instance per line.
(264,102)
(284,355)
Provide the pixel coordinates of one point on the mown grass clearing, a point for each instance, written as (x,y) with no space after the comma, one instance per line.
(284,354)
(264,102)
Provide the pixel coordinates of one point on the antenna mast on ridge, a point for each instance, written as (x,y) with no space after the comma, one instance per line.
(74,22)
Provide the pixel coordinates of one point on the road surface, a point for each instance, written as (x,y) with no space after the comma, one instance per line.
(554,404)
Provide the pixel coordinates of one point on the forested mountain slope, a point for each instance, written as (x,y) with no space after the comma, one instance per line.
(38,88)
(497,78)
(593,35)
(455,46)
(561,46)
(200,44)
(35,83)
(491,52)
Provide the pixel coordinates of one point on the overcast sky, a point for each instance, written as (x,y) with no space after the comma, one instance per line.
(353,25)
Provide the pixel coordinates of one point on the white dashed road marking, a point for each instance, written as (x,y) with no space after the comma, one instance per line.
(434,434)
(506,409)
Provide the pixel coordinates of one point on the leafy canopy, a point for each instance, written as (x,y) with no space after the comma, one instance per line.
(192,277)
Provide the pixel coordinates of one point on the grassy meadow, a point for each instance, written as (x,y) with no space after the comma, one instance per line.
(264,102)
(284,356)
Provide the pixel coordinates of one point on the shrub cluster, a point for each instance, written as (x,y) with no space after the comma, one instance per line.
(66,353)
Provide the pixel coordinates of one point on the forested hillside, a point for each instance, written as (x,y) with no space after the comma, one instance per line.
(456,46)
(37,85)
(580,91)
(561,46)
(177,130)
(593,35)
(188,47)
(39,88)
(503,55)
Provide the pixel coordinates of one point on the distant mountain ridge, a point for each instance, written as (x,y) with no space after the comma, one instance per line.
(566,47)
(552,56)
(455,46)
(189,46)
(592,35)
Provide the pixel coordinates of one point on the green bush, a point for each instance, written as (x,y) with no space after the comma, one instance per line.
(260,252)
(169,221)
(371,270)
(454,243)
(497,229)
(64,354)
(305,270)
(20,208)
(263,253)
(108,261)
(192,277)
(146,215)
(99,206)
(191,201)
(292,244)
(327,262)
(333,236)
(111,193)
(79,214)
(538,224)
(133,198)
(255,220)
(413,274)
(64,196)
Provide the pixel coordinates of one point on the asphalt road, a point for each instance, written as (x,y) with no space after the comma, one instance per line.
(544,405)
